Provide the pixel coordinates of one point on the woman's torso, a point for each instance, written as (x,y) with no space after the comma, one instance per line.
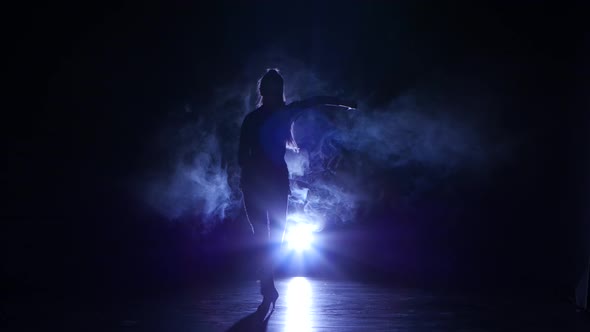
(267,132)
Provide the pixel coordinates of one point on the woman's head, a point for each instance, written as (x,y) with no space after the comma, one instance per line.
(270,87)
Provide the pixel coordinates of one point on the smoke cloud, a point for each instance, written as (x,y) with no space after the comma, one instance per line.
(341,151)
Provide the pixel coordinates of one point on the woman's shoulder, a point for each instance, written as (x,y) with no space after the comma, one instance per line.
(256,112)
(252,114)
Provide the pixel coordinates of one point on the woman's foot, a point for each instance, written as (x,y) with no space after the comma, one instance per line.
(269,291)
(270,297)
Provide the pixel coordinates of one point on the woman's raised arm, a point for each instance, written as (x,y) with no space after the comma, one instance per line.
(299,106)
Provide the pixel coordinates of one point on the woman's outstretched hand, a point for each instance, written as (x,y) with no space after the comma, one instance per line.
(299,106)
(351,104)
(346,103)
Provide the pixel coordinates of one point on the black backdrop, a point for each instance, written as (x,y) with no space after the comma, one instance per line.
(90,83)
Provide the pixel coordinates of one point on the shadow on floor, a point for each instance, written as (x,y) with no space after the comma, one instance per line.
(254,322)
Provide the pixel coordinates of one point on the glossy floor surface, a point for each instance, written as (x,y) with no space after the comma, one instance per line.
(307,304)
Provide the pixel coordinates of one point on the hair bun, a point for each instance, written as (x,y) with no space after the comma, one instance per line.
(271,83)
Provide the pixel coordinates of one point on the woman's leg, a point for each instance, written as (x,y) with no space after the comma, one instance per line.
(277,221)
(257,216)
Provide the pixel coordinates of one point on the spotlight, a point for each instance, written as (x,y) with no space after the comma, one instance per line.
(300,237)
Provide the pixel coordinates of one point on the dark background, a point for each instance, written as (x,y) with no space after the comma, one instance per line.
(92,82)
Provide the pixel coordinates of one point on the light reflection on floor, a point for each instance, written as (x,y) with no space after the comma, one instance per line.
(305,304)
(299,300)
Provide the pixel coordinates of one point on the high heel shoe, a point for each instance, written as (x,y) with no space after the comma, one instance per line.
(269,297)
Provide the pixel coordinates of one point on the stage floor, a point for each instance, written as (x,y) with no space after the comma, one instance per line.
(305,304)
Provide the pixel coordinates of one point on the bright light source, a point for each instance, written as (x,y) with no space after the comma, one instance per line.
(299,316)
(300,237)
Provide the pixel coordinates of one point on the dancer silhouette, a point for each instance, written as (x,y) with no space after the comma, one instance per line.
(265,135)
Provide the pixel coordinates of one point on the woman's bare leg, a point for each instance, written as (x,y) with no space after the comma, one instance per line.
(257,216)
(277,221)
